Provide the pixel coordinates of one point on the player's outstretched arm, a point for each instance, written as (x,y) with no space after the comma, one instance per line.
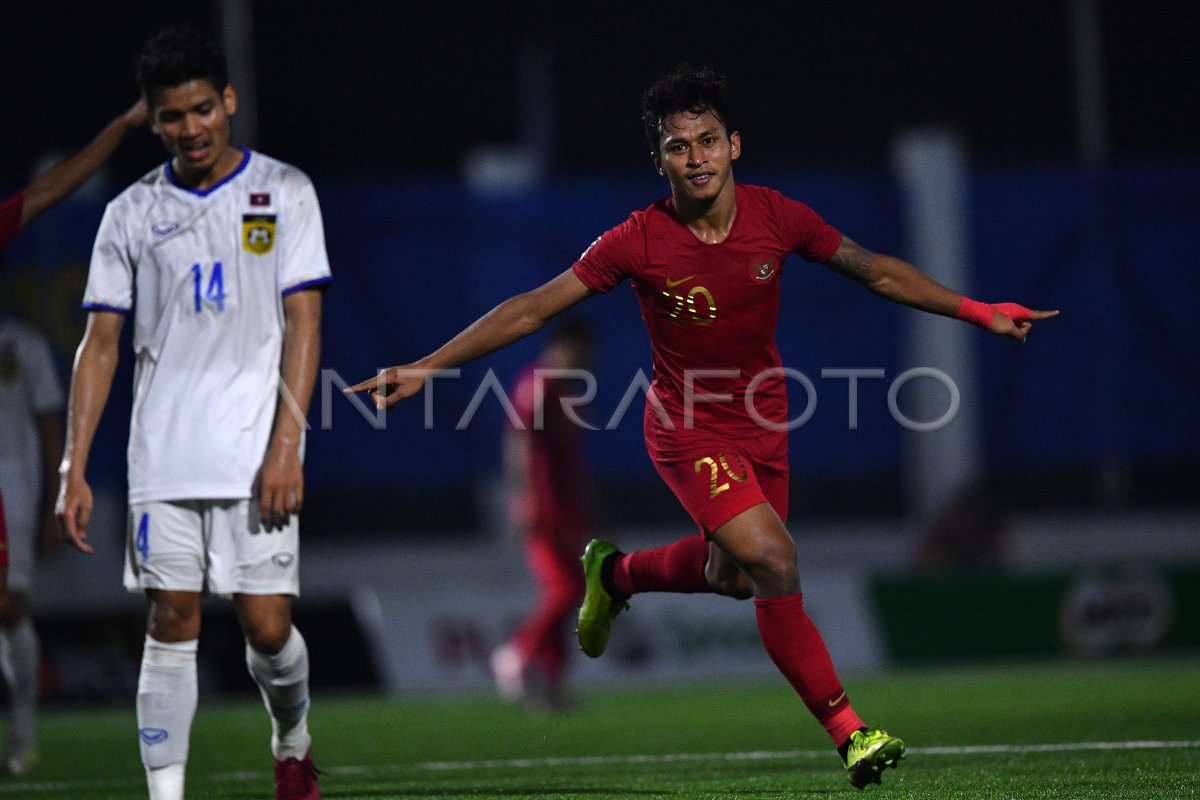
(514,319)
(901,282)
(56,183)
(91,380)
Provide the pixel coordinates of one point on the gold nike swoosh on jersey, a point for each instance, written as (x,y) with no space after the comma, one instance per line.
(837,699)
(672,284)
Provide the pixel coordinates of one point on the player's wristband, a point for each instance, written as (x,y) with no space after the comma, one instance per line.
(975,312)
(1014,311)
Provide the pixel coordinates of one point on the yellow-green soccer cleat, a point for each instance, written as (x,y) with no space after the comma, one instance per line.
(870,753)
(599,608)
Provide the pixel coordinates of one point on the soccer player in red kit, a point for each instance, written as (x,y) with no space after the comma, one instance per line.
(18,637)
(706,263)
(550,509)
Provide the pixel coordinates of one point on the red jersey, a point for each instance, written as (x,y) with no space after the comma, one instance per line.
(10,217)
(556,481)
(710,310)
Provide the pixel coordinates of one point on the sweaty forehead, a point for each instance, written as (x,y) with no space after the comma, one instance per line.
(681,124)
(184,96)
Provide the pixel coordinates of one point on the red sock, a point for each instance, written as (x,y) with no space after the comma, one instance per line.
(796,647)
(676,567)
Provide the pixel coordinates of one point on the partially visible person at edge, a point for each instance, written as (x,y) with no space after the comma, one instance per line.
(219,255)
(972,534)
(31,439)
(56,183)
(706,263)
(550,510)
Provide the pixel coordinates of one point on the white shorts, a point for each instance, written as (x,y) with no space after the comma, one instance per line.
(215,547)
(21,516)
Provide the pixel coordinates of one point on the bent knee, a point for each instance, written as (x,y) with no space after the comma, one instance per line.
(774,572)
(173,622)
(776,559)
(268,636)
(738,588)
(729,582)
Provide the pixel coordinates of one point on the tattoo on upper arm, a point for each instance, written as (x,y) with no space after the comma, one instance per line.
(852,260)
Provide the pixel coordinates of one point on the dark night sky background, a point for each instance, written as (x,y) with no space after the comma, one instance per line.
(397,93)
(402,88)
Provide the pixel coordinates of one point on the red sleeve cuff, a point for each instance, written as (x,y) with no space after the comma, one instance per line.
(587,278)
(10,217)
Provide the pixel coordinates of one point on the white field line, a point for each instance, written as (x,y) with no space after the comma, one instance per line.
(763,755)
(34,787)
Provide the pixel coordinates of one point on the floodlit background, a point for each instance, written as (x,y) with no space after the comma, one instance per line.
(1024,151)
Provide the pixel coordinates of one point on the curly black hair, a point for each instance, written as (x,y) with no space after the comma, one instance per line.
(684,89)
(174,56)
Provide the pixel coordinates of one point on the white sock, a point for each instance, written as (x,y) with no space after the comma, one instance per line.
(166,703)
(283,681)
(165,783)
(20,655)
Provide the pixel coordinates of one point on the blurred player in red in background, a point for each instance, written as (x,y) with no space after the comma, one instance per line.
(53,186)
(706,264)
(31,435)
(546,473)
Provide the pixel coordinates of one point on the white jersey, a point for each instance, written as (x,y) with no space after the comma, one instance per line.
(29,388)
(209,270)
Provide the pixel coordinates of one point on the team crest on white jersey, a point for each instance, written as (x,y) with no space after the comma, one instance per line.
(258,233)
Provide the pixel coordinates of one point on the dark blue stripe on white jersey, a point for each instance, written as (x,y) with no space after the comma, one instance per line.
(103,307)
(307,285)
(170,173)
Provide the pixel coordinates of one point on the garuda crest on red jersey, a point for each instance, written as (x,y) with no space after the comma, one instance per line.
(763,269)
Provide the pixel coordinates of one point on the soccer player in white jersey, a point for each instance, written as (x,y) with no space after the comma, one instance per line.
(219,255)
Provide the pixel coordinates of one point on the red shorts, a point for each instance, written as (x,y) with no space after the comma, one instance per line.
(721,479)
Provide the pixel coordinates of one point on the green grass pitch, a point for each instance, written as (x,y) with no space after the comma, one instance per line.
(1095,731)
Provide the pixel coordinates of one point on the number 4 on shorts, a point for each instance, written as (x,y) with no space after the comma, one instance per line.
(141,542)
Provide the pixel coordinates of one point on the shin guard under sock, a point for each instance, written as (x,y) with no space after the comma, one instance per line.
(283,681)
(166,704)
(796,647)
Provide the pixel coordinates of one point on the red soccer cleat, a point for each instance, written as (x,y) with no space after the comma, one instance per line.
(296,779)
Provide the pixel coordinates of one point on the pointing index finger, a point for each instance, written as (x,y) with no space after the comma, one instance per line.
(368,384)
